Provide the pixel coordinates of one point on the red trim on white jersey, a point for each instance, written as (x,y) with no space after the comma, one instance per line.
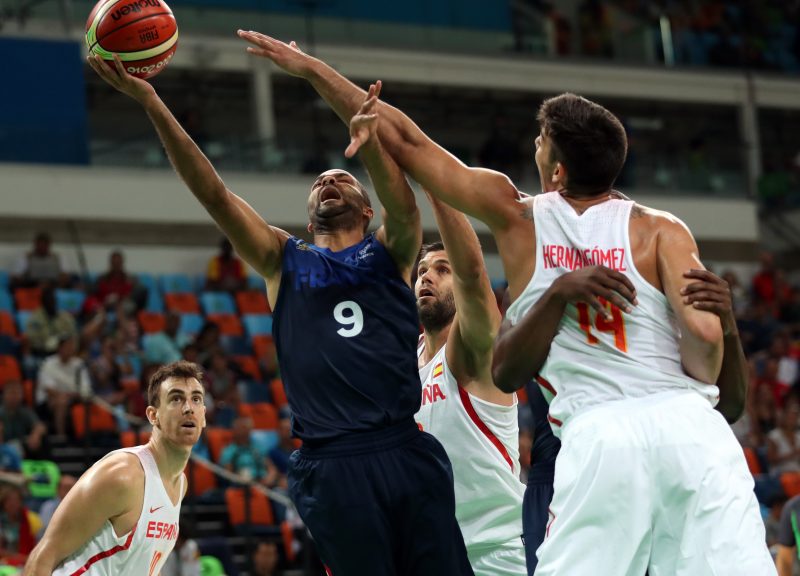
(464,395)
(105,554)
(555,421)
(546,385)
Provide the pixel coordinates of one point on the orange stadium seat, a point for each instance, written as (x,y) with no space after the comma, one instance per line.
(260,509)
(752,461)
(217,439)
(27,391)
(278,393)
(249,366)
(9,369)
(128,439)
(28,298)
(252,302)
(182,303)
(201,479)
(151,322)
(7,324)
(790,482)
(287,535)
(263,344)
(99,420)
(263,414)
(229,324)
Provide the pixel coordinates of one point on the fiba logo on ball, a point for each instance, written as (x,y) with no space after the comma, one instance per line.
(143,33)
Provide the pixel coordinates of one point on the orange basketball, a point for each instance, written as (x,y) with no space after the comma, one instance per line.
(143,32)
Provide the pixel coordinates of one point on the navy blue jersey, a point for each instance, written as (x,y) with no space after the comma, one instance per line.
(346,327)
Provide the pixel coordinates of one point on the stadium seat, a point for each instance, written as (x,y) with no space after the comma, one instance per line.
(173,283)
(229,324)
(790,482)
(249,366)
(7,324)
(259,506)
(201,478)
(99,420)
(155,302)
(70,300)
(128,438)
(148,282)
(264,440)
(217,303)
(211,566)
(255,282)
(752,461)
(43,476)
(6,303)
(287,536)
(22,320)
(28,299)
(263,344)
(3,279)
(253,392)
(252,302)
(278,393)
(182,303)
(257,324)
(237,345)
(263,414)
(191,324)
(9,369)
(217,439)
(151,322)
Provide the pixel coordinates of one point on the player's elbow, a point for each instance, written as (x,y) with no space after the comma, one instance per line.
(501,374)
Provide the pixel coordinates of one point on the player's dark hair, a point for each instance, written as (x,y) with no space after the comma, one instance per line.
(587,139)
(431,247)
(181,370)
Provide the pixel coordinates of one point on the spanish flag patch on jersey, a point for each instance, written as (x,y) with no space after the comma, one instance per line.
(437,370)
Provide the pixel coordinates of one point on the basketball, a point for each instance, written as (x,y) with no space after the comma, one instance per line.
(143,32)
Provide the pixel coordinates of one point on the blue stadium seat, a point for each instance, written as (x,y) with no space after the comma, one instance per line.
(22,320)
(217,303)
(135,362)
(147,280)
(176,283)
(255,282)
(237,345)
(155,303)
(70,300)
(253,392)
(264,440)
(191,324)
(257,324)
(3,279)
(6,301)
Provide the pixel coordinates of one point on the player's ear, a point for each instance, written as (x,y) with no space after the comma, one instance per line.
(152,415)
(310,228)
(560,173)
(368,212)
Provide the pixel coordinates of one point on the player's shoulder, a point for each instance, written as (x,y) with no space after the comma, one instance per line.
(658,220)
(119,472)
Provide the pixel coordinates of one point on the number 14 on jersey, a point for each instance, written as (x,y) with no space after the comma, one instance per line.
(615,326)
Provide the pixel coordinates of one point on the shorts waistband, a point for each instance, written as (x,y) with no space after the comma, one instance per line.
(363,442)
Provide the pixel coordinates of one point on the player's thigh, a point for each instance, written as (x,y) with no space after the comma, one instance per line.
(600,514)
(535,516)
(345,514)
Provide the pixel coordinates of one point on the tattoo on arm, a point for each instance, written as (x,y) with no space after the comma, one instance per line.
(527,212)
(637,211)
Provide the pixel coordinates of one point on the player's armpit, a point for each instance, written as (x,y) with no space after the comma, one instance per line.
(701,332)
(111,488)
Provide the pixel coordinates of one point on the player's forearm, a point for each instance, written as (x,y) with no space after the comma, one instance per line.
(40,562)
(520,351)
(186,157)
(733,379)
(390,183)
(344,97)
(701,357)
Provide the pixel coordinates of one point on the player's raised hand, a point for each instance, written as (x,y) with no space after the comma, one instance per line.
(364,125)
(136,88)
(712,294)
(591,283)
(288,57)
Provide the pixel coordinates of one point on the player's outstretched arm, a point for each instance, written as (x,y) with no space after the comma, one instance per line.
(701,346)
(484,194)
(521,349)
(711,293)
(258,243)
(477,319)
(105,492)
(401,231)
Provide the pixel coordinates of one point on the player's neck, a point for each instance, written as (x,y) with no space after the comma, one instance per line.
(582,203)
(171,460)
(339,239)
(434,340)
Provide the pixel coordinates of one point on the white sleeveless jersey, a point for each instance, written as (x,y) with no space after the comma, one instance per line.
(482,441)
(142,551)
(593,360)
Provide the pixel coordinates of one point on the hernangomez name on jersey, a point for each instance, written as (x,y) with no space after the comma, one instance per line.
(593,360)
(143,550)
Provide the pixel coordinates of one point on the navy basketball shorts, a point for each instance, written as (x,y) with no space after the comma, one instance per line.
(535,517)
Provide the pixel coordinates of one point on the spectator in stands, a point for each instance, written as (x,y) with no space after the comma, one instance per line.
(107,372)
(266,559)
(207,342)
(241,456)
(225,270)
(765,413)
(220,380)
(783,443)
(20,424)
(65,484)
(769,380)
(787,537)
(63,379)
(47,326)
(278,456)
(10,455)
(40,265)
(116,285)
(764,280)
(739,295)
(164,347)
(16,534)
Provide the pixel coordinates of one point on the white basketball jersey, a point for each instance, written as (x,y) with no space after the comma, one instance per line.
(593,360)
(482,441)
(143,550)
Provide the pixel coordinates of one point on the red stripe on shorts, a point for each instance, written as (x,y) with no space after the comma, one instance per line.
(482,426)
(105,554)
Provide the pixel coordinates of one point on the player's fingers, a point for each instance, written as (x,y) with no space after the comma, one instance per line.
(103,71)
(293,45)
(703,295)
(594,301)
(714,307)
(378,86)
(259,52)
(355,144)
(119,66)
(700,274)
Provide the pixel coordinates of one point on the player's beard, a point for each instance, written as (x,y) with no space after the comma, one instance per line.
(436,316)
(329,220)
